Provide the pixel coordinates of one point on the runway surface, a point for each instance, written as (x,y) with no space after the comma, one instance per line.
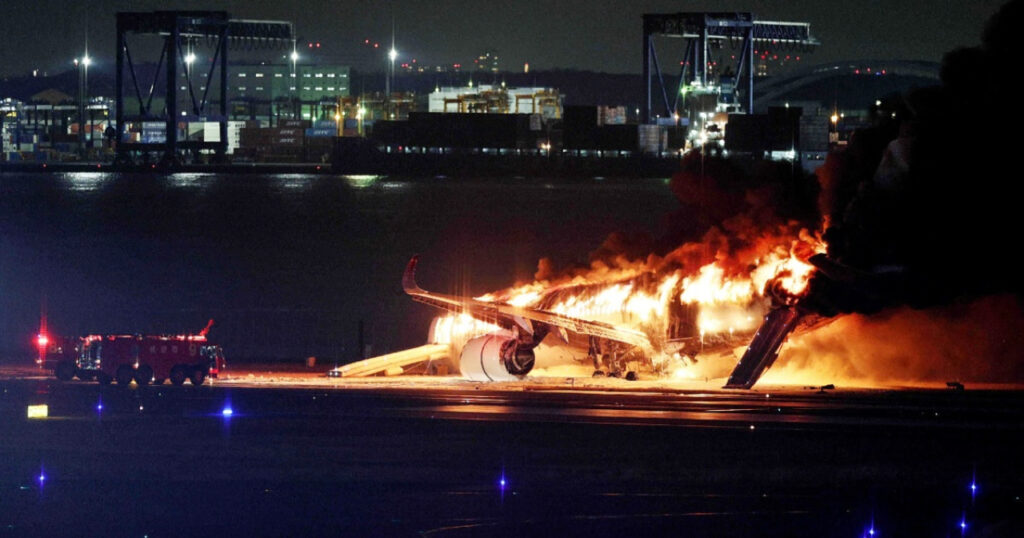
(444,457)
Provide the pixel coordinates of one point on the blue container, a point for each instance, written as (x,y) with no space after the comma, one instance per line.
(316,132)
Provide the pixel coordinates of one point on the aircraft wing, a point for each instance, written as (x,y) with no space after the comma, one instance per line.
(508,315)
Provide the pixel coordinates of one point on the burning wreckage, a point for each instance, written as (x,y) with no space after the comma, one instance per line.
(636,319)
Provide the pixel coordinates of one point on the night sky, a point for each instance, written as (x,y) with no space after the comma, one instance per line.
(600,35)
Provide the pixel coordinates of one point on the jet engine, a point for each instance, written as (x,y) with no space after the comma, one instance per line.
(497,356)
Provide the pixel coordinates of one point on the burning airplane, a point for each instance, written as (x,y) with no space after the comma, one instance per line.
(654,317)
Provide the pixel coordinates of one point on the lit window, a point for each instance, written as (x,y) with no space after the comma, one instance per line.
(259,88)
(319,75)
(319,88)
(330,75)
(241,75)
(259,75)
(278,75)
(241,88)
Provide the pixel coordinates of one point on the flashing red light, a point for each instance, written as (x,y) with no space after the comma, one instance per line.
(366,41)
(856,72)
(42,341)
(376,45)
(310,45)
(883,71)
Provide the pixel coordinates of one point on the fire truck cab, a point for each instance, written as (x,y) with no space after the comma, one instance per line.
(146,359)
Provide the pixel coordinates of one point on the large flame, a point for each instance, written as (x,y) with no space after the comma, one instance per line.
(724,298)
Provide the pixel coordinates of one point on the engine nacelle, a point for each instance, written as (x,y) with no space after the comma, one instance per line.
(495,357)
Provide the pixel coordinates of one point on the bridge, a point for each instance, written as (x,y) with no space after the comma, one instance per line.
(773,89)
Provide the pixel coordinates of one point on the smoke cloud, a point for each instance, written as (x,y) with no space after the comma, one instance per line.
(981,341)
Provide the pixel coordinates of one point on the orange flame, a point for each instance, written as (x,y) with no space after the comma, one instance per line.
(644,295)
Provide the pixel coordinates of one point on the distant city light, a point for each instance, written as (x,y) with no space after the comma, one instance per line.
(86,61)
(392,54)
(190,58)
(227,411)
(295,56)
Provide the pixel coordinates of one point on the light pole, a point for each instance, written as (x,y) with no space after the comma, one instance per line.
(83,96)
(294,82)
(392,55)
(190,58)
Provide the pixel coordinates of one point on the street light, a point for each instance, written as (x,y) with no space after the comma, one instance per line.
(294,82)
(392,55)
(83,96)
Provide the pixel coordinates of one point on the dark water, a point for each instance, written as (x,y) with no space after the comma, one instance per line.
(287,264)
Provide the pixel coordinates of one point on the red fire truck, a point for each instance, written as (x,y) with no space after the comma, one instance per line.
(144,359)
(57,349)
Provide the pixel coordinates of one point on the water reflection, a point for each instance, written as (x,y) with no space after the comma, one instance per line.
(85,181)
(294,181)
(361,181)
(190,179)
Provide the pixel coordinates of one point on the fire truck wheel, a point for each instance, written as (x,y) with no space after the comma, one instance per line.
(198,376)
(178,375)
(103,378)
(65,370)
(84,375)
(124,375)
(144,374)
